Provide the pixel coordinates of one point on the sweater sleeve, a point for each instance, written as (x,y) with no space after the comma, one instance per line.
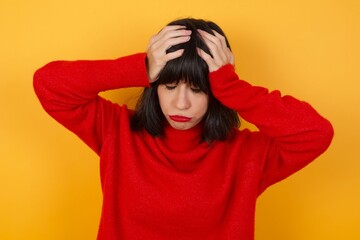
(296,132)
(68,91)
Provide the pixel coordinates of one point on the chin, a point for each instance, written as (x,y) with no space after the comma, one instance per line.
(177,127)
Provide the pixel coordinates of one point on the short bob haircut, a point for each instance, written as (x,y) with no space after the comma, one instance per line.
(219,120)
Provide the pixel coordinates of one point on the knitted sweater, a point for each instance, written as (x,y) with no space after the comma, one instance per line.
(176,186)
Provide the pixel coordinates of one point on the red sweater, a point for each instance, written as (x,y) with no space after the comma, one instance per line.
(175,186)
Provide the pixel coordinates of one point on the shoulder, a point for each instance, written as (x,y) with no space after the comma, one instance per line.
(249,140)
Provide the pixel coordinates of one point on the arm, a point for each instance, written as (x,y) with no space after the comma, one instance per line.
(296,132)
(68,91)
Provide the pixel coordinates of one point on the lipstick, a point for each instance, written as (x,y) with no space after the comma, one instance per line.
(178,118)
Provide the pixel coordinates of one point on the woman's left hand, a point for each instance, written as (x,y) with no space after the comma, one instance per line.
(222,55)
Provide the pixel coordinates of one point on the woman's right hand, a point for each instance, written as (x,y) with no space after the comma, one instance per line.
(159,43)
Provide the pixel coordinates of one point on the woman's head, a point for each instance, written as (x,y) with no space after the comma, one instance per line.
(190,67)
(182,92)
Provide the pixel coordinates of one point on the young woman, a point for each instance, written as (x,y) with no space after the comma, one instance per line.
(178,167)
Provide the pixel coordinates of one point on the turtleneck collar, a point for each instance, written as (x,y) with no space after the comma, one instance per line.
(184,150)
(183,140)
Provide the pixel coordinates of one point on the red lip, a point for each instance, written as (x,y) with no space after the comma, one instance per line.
(178,118)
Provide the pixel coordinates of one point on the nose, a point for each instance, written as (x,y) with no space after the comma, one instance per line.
(182,100)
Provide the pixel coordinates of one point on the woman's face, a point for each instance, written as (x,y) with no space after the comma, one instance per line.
(183,105)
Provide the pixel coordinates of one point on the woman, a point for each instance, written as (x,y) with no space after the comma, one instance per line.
(178,167)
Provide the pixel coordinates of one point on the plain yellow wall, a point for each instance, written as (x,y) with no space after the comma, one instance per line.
(49,182)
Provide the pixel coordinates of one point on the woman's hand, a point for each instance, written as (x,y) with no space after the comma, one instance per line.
(222,55)
(159,43)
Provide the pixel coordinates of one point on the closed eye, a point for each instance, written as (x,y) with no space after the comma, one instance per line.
(196,90)
(170,87)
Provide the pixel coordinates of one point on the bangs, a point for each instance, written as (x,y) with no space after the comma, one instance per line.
(190,67)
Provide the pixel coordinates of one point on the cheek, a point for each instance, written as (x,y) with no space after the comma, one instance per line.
(163,100)
(203,105)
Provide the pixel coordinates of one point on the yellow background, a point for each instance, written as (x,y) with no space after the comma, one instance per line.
(49,181)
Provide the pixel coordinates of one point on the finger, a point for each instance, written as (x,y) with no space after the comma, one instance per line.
(208,59)
(172,27)
(232,59)
(222,39)
(227,51)
(167,39)
(167,29)
(174,55)
(224,52)
(210,37)
(171,32)
(175,34)
(170,39)
(204,55)
(175,41)
(215,48)
(216,38)
(160,51)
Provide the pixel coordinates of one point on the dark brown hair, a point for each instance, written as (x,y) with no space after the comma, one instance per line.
(219,120)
